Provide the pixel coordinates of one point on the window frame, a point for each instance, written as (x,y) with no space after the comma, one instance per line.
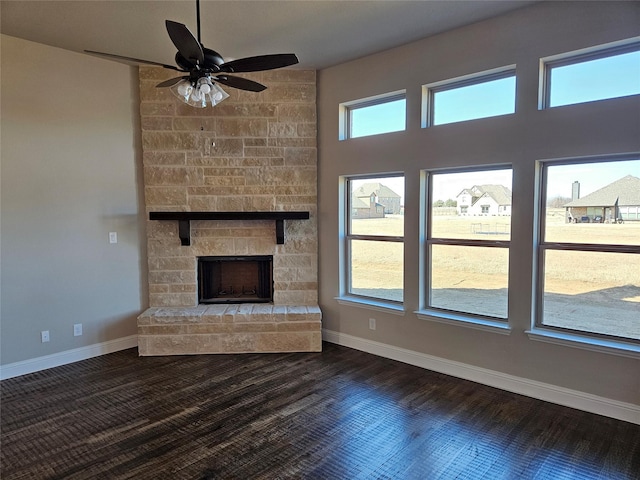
(547,64)
(429,312)
(430,90)
(346,292)
(542,246)
(346,109)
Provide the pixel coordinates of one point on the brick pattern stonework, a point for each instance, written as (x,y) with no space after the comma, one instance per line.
(253,152)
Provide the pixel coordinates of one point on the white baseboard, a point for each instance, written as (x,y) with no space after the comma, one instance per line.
(68,356)
(543,391)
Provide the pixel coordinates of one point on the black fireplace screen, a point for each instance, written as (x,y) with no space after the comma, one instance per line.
(235,279)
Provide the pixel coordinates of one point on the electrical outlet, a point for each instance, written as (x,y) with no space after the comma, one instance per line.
(113,237)
(44,336)
(372,324)
(77,329)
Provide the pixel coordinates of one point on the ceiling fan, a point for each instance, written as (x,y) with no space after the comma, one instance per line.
(206,67)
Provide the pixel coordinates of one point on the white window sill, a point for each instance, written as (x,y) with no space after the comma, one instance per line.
(593,344)
(379,305)
(461,320)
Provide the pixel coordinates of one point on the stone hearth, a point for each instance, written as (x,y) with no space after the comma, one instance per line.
(240,328)
(255,152)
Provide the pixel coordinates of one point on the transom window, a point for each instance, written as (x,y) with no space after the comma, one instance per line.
(375,237)
(586,76)
(589,252)
(373,116)
(468,244)
(467,98)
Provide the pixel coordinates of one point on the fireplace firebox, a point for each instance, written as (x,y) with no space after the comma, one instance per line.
(235,279)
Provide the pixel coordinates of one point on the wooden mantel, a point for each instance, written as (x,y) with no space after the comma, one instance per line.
(184,219)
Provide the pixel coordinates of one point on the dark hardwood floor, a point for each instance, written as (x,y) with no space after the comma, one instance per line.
(339,414)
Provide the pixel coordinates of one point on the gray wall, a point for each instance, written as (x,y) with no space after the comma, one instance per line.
(70,142)
(605,127)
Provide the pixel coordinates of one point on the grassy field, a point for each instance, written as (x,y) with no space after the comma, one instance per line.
(588,277)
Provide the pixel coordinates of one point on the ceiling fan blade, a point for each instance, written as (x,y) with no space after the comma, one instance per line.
(261,62)
(171,82)
(185,42)
(239,82)
(130,59)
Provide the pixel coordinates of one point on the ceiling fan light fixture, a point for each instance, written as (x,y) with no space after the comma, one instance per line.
(200,94)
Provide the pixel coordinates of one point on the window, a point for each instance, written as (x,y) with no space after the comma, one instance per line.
(471,97)
(372,116)
(587,76)
(375,238)
(468,247)
(588,262)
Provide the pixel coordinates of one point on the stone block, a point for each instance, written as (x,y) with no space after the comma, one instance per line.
(178,344)
(253,327)
(230,313)
(297,142)
(165,196)
(257,109)
(184,288)
(297,113)
(238,343)
(278,129)
(202,203)
(284,93)
(156,123)
(169,329)
(164,158)
(156,108)
(158,288)
(173,263)
(165,176)
(316,342)
(171,141)
(242,127)
(300,156)
(194,124)
(210,328)
(226,147)
(211,246)
(283,342)
(299,326)
(255,142)
(264,152)
(172,276)
(309,130)
(214,313)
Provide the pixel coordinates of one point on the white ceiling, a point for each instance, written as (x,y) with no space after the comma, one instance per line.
(321,33)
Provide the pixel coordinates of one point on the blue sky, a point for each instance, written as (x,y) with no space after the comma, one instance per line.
(593,80)
(589,81)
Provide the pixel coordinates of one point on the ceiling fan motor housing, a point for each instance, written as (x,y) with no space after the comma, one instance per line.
(212,61)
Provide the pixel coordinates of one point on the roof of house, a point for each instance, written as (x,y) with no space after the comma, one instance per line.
(500,194)
(379,189)
(625,191)
(358,202)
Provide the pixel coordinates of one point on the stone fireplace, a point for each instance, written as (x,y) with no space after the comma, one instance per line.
(255,153)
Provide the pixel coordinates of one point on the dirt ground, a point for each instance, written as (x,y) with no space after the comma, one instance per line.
(582,289)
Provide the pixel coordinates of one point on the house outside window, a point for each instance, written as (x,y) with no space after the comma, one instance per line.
(589,257)
(374,238)
(468,258)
